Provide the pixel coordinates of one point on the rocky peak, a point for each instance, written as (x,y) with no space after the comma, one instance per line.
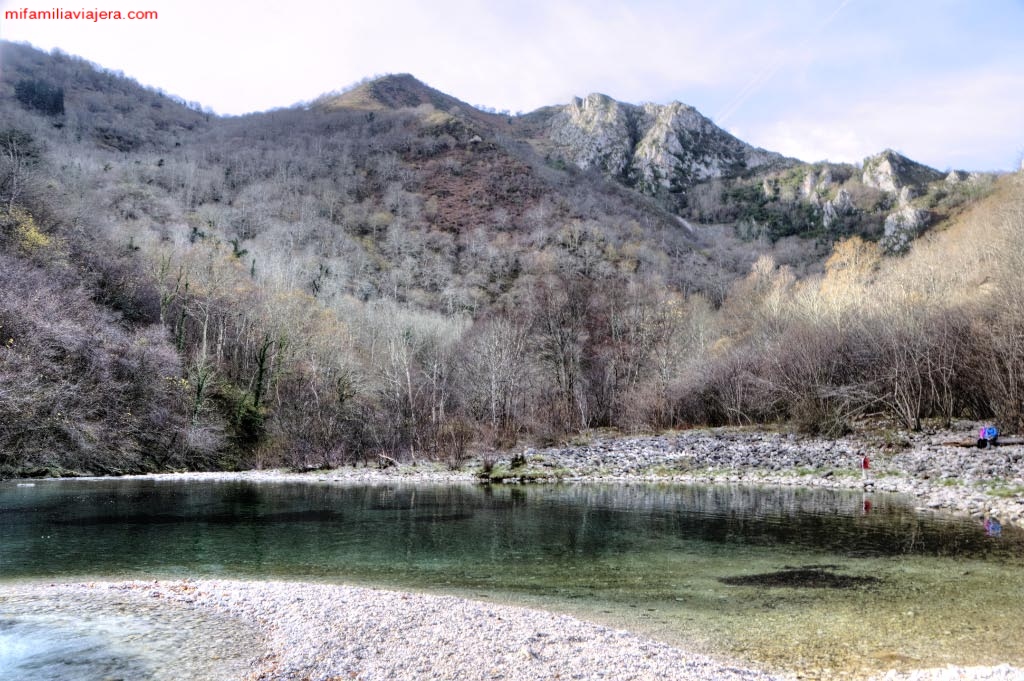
(680,147)
(656,148)
(596,132)
(955,177)
(890,171)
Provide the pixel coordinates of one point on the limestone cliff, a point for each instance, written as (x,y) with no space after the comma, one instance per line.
(896,174)
(597,132)
(655,148)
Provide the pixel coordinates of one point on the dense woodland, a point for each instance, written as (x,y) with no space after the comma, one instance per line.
(329,285)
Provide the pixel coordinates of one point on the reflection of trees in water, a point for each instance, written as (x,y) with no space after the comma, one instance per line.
(825,518)
(450,526)
(600,519)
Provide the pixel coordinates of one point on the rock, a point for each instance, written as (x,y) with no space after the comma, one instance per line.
(656,148)
(955,177)
(840,206)
(890,172)
(902,227)
(596,132)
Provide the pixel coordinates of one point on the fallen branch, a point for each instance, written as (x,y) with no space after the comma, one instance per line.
(1003,441)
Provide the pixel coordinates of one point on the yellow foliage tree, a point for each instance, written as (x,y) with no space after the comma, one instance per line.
(27,233)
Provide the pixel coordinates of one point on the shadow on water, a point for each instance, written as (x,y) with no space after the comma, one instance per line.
(806,577)
(212,518)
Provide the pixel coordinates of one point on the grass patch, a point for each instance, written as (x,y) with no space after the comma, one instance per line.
(506,475)
(1006,491)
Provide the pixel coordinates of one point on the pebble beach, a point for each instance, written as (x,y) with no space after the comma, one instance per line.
(320,632)
(218,630)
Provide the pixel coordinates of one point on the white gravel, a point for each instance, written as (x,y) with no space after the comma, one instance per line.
(324,632)
(291,631)
(1003,672)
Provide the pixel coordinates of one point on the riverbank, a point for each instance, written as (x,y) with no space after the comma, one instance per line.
(324,632)
(942,477)
(212,630)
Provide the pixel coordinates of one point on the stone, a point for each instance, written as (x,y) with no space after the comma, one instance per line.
(902,227)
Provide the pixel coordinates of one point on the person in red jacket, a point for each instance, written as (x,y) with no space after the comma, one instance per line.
(865,468)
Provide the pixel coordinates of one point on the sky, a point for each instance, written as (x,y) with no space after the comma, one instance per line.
(941,81)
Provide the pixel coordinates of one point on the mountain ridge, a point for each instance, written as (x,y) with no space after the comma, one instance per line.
(670,151)
(654,147)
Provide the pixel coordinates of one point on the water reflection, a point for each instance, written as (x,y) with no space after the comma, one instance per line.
(94,527)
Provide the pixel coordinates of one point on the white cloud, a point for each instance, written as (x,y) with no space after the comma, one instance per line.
(966,120)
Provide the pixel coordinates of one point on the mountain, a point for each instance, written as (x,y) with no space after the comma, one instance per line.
(99,105)
(396,91)
(391,272)
(705,175)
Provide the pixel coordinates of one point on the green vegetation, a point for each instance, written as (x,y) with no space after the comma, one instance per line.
(518,475)
(1003,489)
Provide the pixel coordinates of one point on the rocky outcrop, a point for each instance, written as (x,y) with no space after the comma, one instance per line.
(680,147)
(837,208)
(955,177)
(597,132)
(906,180)
(819,189)
(890,172)
(655,148)
(902,227)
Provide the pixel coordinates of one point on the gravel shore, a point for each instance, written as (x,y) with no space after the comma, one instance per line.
(219,630)
(321,632)
(958,479)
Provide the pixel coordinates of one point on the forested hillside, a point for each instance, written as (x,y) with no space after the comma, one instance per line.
(390,272)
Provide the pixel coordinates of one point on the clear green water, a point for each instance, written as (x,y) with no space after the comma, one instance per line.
(923,590)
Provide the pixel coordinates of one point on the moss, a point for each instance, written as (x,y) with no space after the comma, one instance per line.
(504,475)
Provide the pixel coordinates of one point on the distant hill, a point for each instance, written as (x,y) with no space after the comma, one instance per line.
(395,91)
(97,104)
